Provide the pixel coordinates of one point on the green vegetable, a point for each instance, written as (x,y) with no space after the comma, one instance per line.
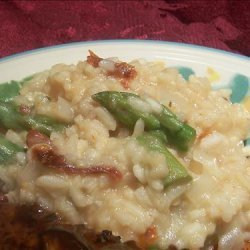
(118,103)
(164,127)
(179,134)
(8,150)
(11,118)
(11,89)
(177,173)
(42,123)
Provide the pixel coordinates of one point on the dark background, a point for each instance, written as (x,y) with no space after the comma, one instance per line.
(222,24)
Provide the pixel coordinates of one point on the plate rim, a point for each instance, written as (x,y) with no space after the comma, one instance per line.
(126,41)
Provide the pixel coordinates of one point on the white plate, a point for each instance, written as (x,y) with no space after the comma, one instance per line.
(223,68)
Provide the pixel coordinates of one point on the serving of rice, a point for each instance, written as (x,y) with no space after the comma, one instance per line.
(215,202)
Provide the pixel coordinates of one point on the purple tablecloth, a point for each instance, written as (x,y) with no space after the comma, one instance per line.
(222,24)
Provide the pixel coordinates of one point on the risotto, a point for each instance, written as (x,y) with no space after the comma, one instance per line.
(98,166)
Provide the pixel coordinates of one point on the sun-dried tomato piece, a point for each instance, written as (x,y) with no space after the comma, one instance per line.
(93,59)
(47,156)
(35,137)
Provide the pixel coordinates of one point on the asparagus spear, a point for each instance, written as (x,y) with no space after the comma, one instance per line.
(8,150)
(11,89)
(11,118)
(118,104)
(42,123)
(178,133)
(177,173)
